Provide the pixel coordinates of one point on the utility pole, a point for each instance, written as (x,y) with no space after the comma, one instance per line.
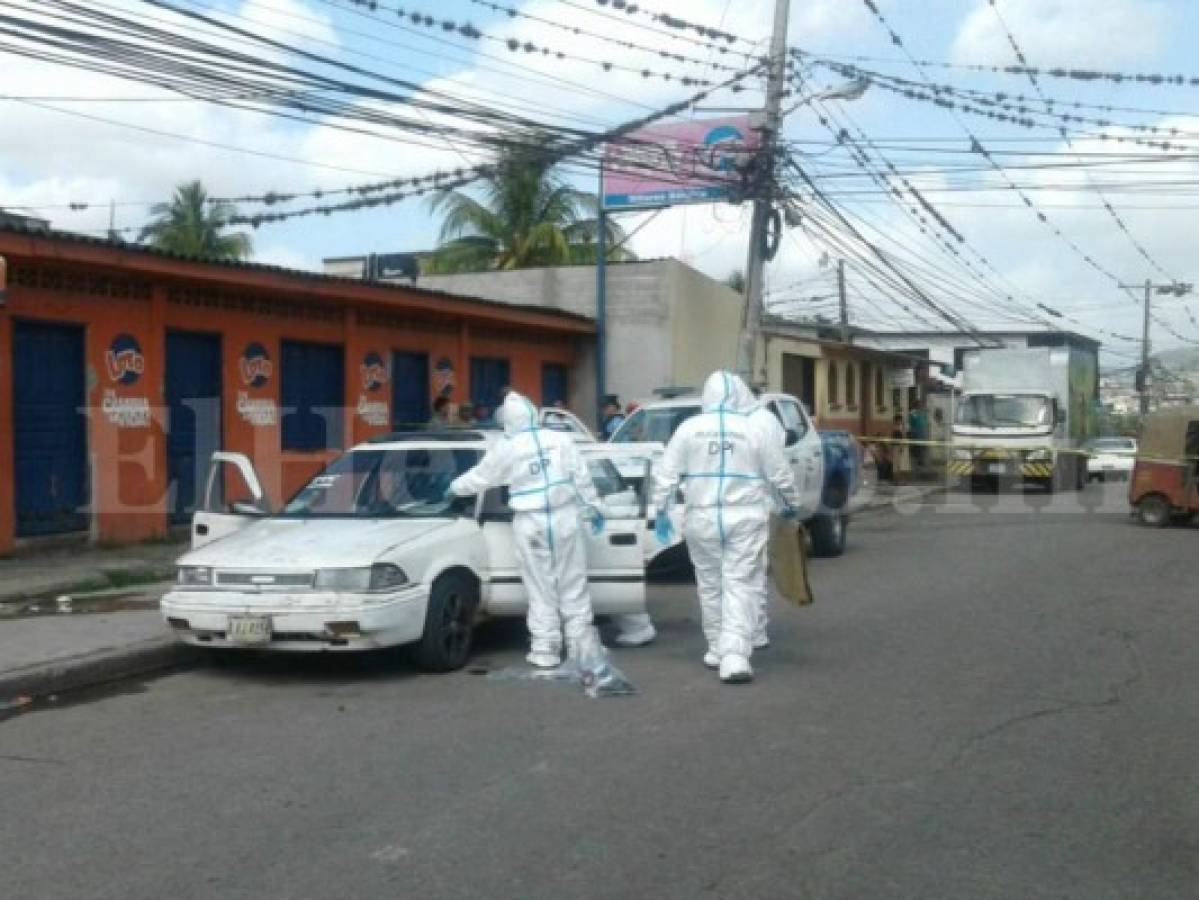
(762,186)
(1145,379)
(844,301)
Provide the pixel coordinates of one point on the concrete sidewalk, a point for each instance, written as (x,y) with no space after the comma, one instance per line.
(69,569)
(51,654)
(111,629)
(883,495)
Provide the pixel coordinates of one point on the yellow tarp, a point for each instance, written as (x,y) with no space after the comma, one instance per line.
(788,557)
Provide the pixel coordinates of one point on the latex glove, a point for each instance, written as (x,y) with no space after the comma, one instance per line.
(663,528)
(596,518)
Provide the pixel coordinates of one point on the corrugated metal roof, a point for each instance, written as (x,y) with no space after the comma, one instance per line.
(298,274)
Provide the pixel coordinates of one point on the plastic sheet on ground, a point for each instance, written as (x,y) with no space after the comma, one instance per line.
(587,664)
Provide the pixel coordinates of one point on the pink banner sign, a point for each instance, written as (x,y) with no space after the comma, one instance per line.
(679,162)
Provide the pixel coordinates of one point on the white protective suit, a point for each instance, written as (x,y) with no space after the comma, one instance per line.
(768,422)
(730,464)
(549,487)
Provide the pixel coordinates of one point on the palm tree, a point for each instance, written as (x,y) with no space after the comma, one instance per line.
(193,225)
(529,217)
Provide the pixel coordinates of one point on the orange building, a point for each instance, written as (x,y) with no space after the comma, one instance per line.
(123,368)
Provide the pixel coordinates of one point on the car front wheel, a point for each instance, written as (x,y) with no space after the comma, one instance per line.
(449,623)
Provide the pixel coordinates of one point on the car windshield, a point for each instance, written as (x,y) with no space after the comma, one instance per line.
(403,483)
(657,425)
(1005,411)
(1114,445)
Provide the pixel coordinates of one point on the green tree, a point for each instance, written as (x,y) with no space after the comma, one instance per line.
(529,216)
(193,225)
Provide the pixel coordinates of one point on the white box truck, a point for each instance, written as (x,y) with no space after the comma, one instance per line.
(1024,416)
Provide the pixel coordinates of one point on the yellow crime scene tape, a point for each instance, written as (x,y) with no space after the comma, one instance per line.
(989,453)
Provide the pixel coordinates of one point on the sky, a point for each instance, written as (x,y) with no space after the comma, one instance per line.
(111,147)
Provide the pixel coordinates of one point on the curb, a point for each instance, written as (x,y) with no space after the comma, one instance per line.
(98,667)
(913,493)
(108,579)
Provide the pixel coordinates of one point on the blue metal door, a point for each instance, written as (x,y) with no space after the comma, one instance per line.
(554,384)
(488,377)
(193,396)
(49,428)
(312,392)
(409,390)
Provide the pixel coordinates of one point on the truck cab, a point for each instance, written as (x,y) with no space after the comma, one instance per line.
(825,471)
(1023,418)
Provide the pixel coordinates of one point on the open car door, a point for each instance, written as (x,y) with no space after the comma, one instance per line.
(567,422)
(616,556)
(218,517)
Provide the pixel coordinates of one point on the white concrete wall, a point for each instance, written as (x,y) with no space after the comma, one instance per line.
(639,338)
(707,323)
(349,267)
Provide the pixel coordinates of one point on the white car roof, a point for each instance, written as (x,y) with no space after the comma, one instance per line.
(694,400)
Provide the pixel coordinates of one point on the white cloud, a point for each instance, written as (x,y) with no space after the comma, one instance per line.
(1107,33)
(282,255)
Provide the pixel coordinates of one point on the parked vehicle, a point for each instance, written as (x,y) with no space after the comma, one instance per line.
(826,465)
(1111,458)
(370,554)
(1165,480)
(1024,416)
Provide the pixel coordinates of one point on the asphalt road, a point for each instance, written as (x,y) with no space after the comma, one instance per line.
(989,699)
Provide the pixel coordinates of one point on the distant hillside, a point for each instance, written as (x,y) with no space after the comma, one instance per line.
(1184,359)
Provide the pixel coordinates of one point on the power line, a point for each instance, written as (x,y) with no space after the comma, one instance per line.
(515,13)
(1116,217)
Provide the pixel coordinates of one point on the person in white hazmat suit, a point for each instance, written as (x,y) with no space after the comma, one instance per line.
(637,629)
(768,422)
(549,489)
(730,464)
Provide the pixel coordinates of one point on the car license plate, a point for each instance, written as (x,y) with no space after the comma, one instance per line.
(249,629)
(997,468)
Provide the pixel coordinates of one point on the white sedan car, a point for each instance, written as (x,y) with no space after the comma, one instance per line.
(368,554)
(1111,458)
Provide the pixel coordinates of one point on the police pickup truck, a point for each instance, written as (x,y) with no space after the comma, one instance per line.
(827,465)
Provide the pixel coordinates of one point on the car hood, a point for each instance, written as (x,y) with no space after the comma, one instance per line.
(311,543)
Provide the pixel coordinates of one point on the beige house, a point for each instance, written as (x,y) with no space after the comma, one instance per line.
(843,385)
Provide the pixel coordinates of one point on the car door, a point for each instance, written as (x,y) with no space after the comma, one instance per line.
(503,593)
(616,557)
(219,517)
(803,450)
(567,422)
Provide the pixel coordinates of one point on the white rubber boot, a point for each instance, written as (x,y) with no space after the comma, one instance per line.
(735,669)
(644,633)
(711,660)
(544,660)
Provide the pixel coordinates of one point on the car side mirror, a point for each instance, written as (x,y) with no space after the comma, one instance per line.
(792,437)
(247,508)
